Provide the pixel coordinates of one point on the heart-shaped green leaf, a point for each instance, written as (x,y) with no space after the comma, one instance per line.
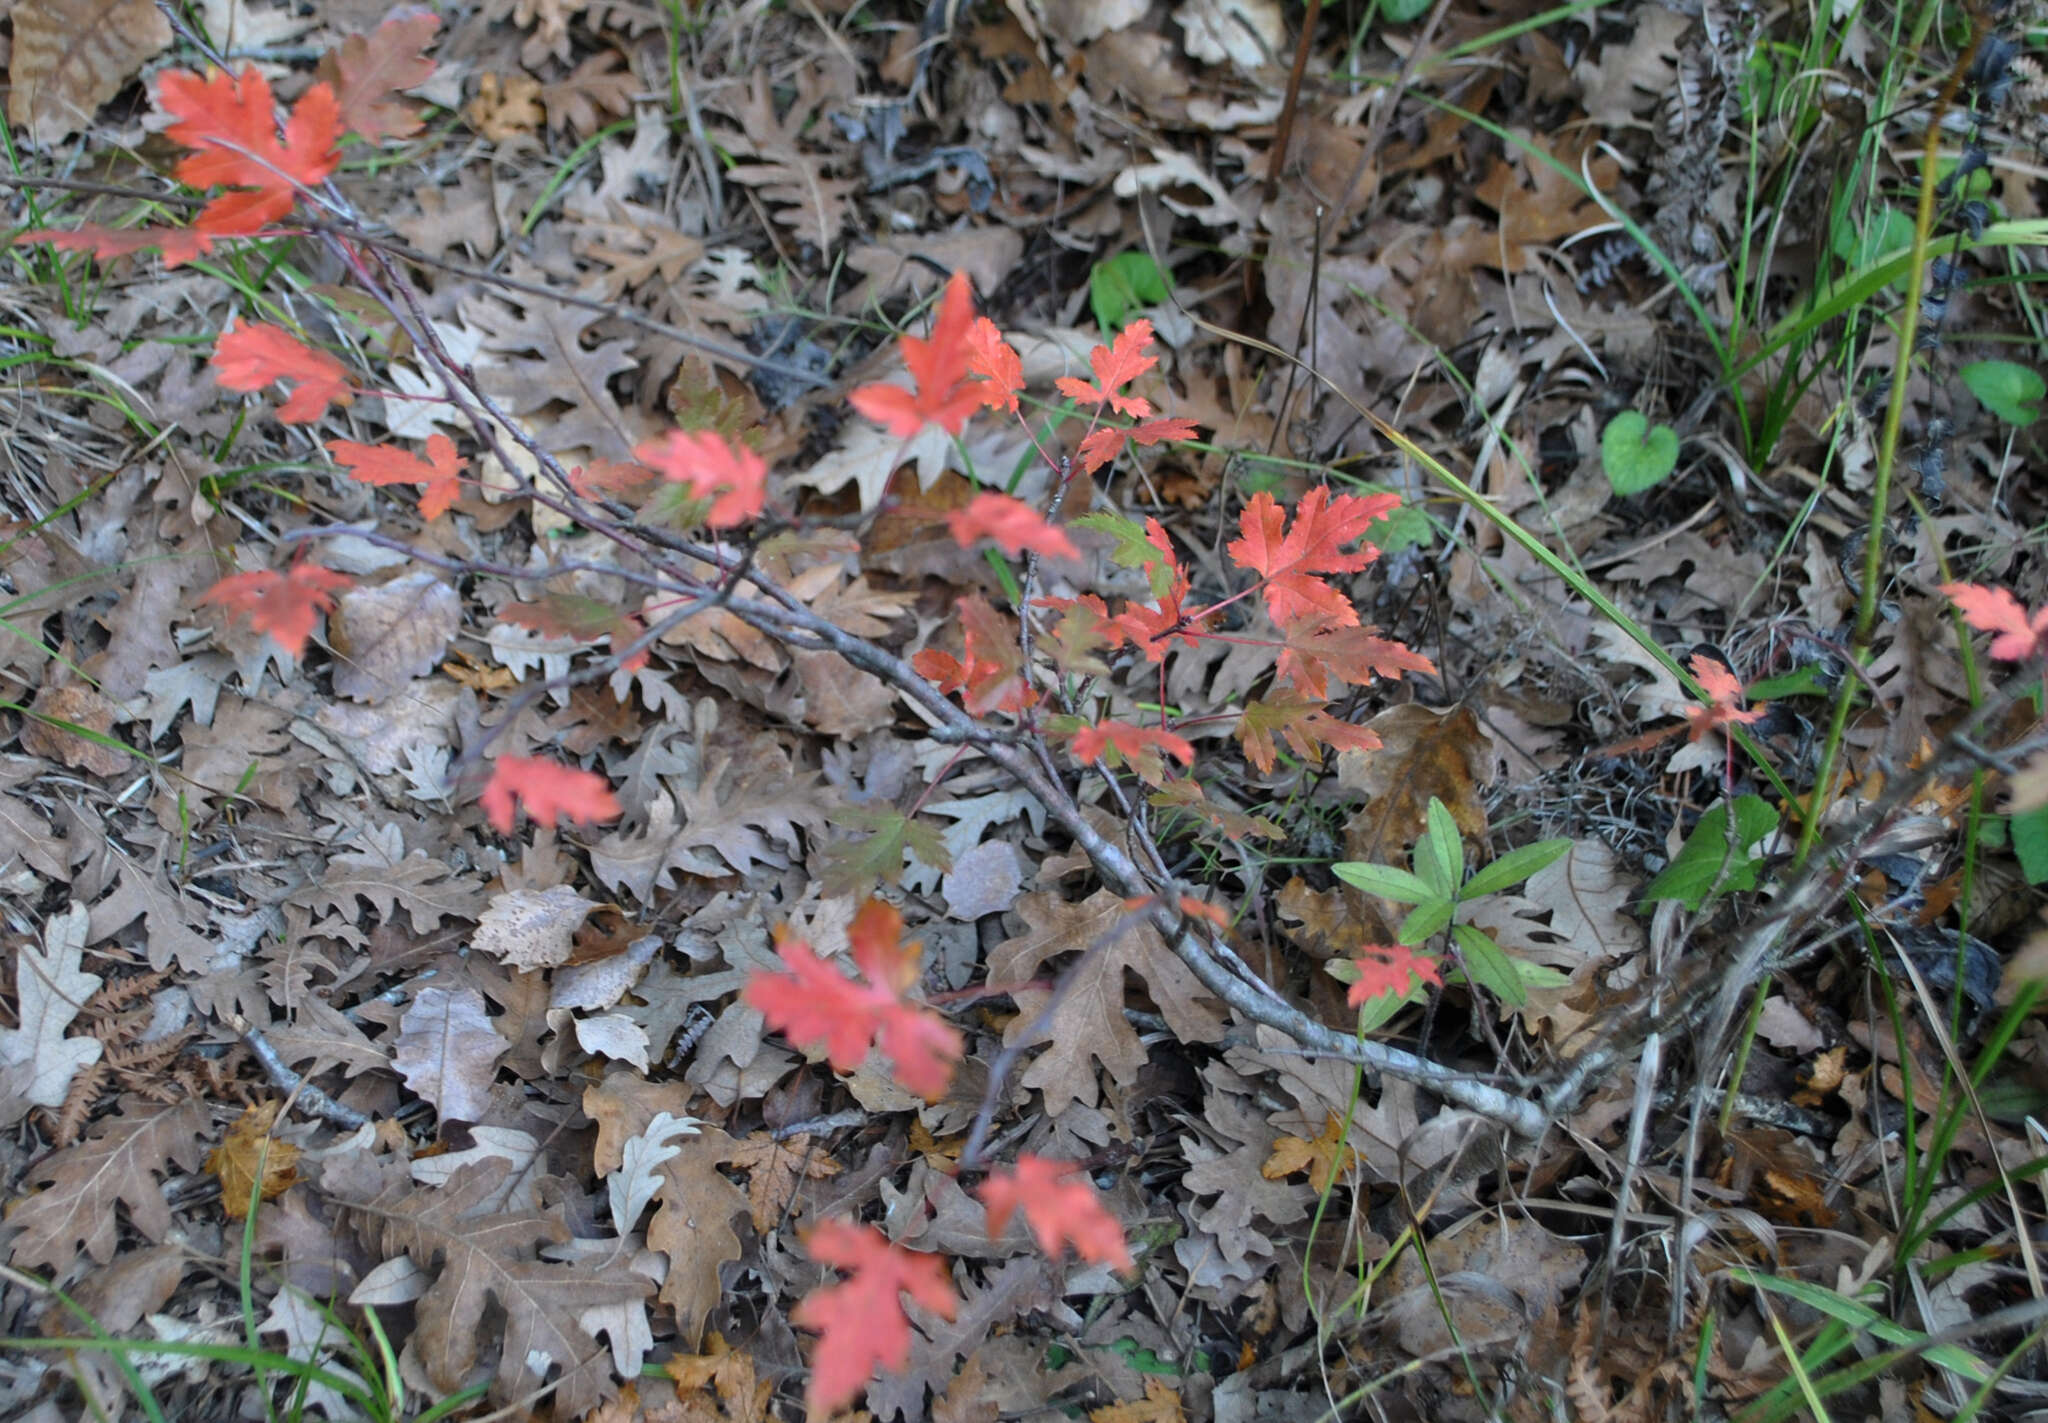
(1635,454)
(2008,390)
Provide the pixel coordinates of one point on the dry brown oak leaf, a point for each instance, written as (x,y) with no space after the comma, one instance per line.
(486,1258)
(1089,1024)
(71,56)
(76,1189)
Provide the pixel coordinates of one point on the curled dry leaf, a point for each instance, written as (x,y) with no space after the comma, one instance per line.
(251,1161)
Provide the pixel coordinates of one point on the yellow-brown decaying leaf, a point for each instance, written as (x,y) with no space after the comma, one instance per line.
(773,1170)
(1160,1404)
(1424,753)
(1324,1158)
(71,56)
(248,1152)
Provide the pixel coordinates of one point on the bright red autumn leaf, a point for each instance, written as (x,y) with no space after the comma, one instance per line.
(252,355)
(860,1322)
(1115,367)
(1013,524)
(437,474)
(1290,564)
(179,244)
(550,791)
(730,475)
(285,605)
(814,1004)
(989,673)
(1724,692)
(1389,968)
(995,361)
(1995,610)
(369,72)
(1060,1207)
(1104,445)
(1139,745)
(945,395)
(229,121)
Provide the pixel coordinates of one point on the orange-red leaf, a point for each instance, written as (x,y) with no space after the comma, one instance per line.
(229,122)
(1115,367)
(989,674)
(815,1005)
(860,1323)
(252,355)
(945,395)
(1319,652)
(1290,564)
(995,361)
(1996,610)
(437,474)
(550,791)
(1140,746)
(1303,724)
(730,475)
(1104,445)
(1389,968)
(1061,1208)
(179,244)
(368,73)
(1724,691)
(1013,524)
(285,605)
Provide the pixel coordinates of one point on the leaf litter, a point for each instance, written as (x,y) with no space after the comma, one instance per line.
(487,1056)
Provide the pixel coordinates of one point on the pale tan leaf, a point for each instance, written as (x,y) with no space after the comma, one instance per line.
(532,928)
(37,1060)
(448,1052)
(71,56)
(386,635)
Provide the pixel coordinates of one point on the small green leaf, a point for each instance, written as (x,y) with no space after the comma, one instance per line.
(1400,12)
(2007,389)
(876,850)
(1383,880)
(2028,832)
(1126,281)
(1446,849)
(1697,869)
(1514,867)
(1799,682)
(1426,919)
(1636,455)
(1489,967)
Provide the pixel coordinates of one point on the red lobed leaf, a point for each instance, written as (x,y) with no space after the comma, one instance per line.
(550,791)
(1013,524)
(369,72)
(437,474)
(995,361)
(284,605)
(1104,445)
(989,674)
(1995,610)
(1140,746)
(252,355)
(1060,1207)
(814,1004)
(730,475)
(1319,652)
(861,1324)
(1724,691)
(229,121)
(1115,367)
(179,244)
(944,395)
(1303,724)
(1290,564)
(1389,968)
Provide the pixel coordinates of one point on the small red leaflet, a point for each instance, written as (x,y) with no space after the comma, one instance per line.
(1013,524)
(993,359)
(1115,367)
(989,673)
(1115,741)
(1724,691)
(1389,968)
(1996,610)
(1322,526)
(945,395)
(252,355)
(731,476)
(550,791)
(1060,1207)
(437,475)
(814,1004)
(860,1323)
(1105,444)
(285,605)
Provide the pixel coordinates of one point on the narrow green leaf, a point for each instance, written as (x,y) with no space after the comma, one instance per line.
(1514,867)
(1383,880)
(1446,849)
(1426,920)
(1489,966)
